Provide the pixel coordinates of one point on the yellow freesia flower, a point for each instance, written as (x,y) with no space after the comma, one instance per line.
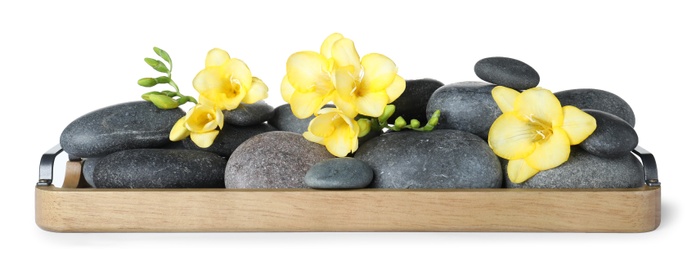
(201,123)
(226,82)
(534,132)
(338,74)
(333,129)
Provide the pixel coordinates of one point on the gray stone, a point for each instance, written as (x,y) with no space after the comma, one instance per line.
(87,168)
(507,72)
(339,173)
(613,136)
(430,160)
(270,160)
(249,114)
(412,104)
(132,125)
(284,120)
(466,106)
(160,168)
(584,170)
(598,100)
(230,137)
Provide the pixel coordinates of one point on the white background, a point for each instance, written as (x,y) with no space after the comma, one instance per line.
(61,59)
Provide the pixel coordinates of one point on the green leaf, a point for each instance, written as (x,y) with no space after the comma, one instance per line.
(163,54)
(163,80)
(182,100)
(162,101)
(191,99)
(147,82)
(157,65)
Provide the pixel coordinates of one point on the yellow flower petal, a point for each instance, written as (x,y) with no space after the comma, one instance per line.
(216,57)
(307,71)
(326,48)
(347,107)
(372,103)
(505,98)
(219,118)
(204,140)
(519,171)
(239,74)
(396,88)
(201,118)
(313,138)
(512,138)
(258,91)
(305,104)
(577,124)
(345,55)
(550,152)
(286,89)
(322,125)
(339,143)
(208,80)
(345,84)
(179,131)
(379,72)
(539,105)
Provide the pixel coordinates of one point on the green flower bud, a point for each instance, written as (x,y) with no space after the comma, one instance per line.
(162,101)
(169,93)
(157,65)
(163,54)
(146,96)
(434,120)
(414,123)
(400,122)
(388,111)
(147,82)
(182,100)
(163,80)
(364,125)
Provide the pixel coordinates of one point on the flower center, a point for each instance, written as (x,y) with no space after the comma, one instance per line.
(541,129)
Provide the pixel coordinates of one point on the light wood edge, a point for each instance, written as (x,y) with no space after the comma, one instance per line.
(225,210)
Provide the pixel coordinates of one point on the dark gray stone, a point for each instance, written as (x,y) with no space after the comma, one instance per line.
(430,160)
(132,125)
(466,106)
(412,104)
(507,72)
(230,137)
(613,136)
(598,100)
(249,114)
(584,170)
(339,173)
(272,160)
(284,120)
(160,168)
(87,168)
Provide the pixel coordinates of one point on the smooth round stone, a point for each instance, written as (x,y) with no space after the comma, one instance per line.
(431,160)
(284,120)
(249,114)
(230,137)
(613,136)
(87,168)
(339,173)
(273,160)
(160,168)
(132,125)
(598,100)
(466,106)
(412,104)
(584,170)
(507,72)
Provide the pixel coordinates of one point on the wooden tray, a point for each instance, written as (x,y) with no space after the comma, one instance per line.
(72,208)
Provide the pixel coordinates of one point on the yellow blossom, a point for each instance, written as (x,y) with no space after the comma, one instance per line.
(338,74)
(226,82)
(201,123)
(333,129)
(534,132)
